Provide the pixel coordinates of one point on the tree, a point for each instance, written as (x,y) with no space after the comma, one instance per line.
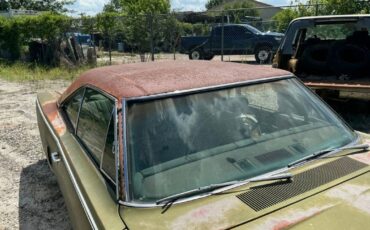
(239,10)
(283,18)
(143,21)
(45,5)
(320,7)
(336,7)
(145,6)
(213,3)
(107,24)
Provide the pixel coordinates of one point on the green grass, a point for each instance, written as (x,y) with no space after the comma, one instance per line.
(31,72)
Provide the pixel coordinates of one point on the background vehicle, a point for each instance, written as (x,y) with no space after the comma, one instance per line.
(238,39)
(331,54)
(146,146)
(328,52)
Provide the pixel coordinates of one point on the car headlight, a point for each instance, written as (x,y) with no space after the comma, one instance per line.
(278,38)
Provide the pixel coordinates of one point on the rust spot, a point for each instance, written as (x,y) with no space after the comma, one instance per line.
(52,114)
(143,79)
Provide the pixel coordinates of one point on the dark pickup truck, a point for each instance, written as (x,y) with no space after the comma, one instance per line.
(238,39)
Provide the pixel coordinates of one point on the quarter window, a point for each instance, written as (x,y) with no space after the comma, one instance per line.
(95,115)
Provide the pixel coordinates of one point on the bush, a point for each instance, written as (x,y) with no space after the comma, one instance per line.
(19,31)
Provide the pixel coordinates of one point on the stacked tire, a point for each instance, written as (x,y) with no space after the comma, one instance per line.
(339,58)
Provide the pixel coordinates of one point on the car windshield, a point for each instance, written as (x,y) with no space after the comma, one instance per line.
(253,29)
(185,142)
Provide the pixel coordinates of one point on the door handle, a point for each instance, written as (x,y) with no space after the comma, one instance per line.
(55,157)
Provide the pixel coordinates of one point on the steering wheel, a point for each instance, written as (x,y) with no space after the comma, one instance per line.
(252,125)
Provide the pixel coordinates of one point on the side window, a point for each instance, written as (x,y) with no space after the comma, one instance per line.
(108,159)
(73,106)
(217,31)
(240,32)
(93,122)
(228,31)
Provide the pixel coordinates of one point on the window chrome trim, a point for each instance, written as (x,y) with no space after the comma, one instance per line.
(125,150)
(116,150)
(242,183)
(103,152)
(68,167)
(129,203)
(79,111)
(208,88)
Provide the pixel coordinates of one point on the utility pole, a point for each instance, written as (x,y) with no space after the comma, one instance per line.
(222,35)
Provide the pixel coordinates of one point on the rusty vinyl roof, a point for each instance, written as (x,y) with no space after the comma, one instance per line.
(145,79)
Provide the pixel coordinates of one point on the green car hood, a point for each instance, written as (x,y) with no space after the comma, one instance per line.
(341,203)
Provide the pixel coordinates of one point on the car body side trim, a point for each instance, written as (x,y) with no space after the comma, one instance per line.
(73,179)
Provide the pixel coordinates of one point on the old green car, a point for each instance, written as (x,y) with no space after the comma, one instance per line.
(203,145)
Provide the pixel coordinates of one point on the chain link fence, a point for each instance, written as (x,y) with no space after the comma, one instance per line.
(250,35)
(232,35)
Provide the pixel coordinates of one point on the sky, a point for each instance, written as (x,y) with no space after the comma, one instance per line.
(92,7)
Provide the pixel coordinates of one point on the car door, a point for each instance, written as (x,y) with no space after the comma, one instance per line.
(59,164)
(90,147)
(242,40)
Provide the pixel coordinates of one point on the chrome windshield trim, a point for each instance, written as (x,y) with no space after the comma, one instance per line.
(116,150)
(125,150)
(128,202)
(206,194)
(165,95)
(208,88)
(69,170)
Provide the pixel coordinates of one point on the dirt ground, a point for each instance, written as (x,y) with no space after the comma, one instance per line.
(29,194)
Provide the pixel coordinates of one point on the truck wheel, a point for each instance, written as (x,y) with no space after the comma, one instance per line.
(195,55)
(263,54)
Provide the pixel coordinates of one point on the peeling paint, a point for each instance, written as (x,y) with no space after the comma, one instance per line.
(364,158)
(209,216)
(292,217)
(357,196)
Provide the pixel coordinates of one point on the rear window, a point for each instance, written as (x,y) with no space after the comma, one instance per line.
(331,31)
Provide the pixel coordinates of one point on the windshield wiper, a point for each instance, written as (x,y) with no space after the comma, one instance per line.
(171,199)
(196,191)
(282,176)
(325,151)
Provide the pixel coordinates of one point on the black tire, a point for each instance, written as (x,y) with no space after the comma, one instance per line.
(315,59)
(263,54)
(349,59)
(196,54)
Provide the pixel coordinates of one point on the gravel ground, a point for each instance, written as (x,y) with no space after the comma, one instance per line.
(29,194)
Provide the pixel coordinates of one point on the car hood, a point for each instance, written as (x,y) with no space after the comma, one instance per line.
(338,204)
